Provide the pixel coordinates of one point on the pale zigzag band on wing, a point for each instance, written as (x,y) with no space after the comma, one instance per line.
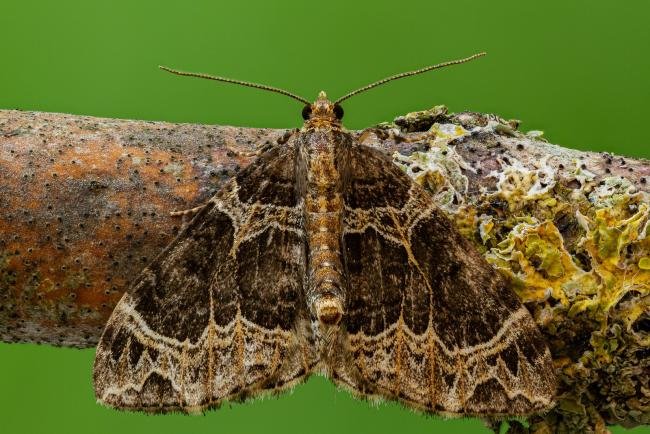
(240,344)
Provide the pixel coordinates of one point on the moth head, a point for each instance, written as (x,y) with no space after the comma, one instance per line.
(322,111)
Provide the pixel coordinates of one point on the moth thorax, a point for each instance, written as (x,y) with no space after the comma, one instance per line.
(329,309)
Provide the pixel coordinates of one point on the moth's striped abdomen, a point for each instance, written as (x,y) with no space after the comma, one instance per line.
(323,218)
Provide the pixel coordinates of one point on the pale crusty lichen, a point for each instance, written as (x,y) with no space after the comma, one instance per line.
(440,169)
(576,247)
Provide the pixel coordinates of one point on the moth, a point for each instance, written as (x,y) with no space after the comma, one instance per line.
(322,256)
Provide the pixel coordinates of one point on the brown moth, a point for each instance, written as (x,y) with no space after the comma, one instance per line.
(322,256)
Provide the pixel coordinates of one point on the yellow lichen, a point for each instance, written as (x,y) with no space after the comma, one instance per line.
(533,255)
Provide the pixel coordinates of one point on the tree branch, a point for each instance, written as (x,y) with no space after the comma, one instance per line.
(85,204)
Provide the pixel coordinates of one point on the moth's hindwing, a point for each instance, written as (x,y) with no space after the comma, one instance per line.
(220,313)
(429,322)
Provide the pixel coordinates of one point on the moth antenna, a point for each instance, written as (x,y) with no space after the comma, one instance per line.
(240,82)
(407,74)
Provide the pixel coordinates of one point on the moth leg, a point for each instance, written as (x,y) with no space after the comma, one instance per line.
(187,214)
(284,138)
(237,153)
(394,135)
(493,424)
(263,147)
(420,137)
(375,133)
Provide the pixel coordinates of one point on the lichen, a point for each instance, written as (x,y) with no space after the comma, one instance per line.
(440,169)
(576,247)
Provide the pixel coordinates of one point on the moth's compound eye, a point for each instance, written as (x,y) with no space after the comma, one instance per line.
(338,111)
(306,111)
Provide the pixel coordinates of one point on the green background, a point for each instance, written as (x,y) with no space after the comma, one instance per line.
(576,69)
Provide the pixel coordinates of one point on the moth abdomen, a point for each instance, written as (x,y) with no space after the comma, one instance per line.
(325,268)
(329,309)
(323,223)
